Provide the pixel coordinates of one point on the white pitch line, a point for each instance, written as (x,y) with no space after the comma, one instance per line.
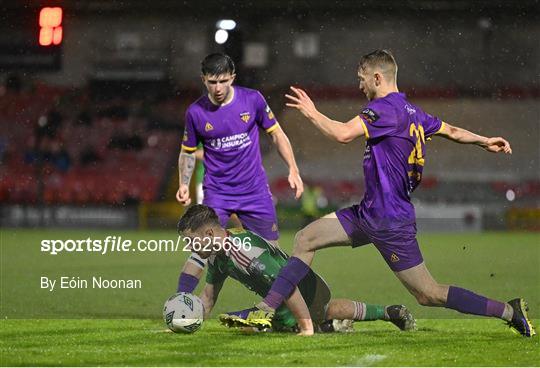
(369,359)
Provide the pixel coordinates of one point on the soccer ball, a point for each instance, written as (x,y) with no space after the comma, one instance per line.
(183,312)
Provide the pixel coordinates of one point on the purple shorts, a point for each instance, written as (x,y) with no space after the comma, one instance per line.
(398,246)
(256,213)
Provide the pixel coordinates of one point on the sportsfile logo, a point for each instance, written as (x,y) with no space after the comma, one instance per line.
(111,244)
(118,244)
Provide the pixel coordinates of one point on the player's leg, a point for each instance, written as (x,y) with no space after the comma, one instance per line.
(323,233)
(345,309)
(429,292)
(336,229)
(423,286)
(401,252)
(259,216)
(313,289)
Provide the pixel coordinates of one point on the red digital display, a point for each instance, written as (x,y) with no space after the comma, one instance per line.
(50,26)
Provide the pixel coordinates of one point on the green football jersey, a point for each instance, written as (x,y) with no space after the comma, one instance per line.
(251,260)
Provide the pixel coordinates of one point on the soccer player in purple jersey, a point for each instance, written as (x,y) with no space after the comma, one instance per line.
(396,132)
(226,121)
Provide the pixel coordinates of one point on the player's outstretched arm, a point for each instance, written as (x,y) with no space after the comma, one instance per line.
(209,297)
(333,129)
(299,309)
(186,165)
(189,277)
(460,135)
(285,150)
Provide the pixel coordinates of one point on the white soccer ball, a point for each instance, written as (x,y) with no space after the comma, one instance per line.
(183,312)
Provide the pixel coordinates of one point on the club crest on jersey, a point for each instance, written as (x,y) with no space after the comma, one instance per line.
(185,136)
(208,127)
(245,116)
(256,267)
(369,115)
(394,258)
(269,112)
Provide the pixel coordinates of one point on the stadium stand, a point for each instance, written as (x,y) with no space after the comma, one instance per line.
(112,153)
(122,151)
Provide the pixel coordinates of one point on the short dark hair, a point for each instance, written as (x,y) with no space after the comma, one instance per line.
(217,64)
(382,59)
(197,216)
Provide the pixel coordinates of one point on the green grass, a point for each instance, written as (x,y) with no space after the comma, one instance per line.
(124,327)
(143,342)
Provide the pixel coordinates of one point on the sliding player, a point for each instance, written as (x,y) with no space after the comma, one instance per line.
(255,263)
(396,132)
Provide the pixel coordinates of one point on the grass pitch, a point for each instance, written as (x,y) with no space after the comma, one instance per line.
(459,342)
(124,327)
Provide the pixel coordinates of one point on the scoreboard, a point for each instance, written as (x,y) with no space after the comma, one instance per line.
(31,38)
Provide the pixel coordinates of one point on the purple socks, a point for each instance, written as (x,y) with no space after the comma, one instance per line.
(288,278)
(494,308)
(186,283)
(466,301)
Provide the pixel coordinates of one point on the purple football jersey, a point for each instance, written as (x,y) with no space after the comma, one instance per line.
(396,133)
(230,137)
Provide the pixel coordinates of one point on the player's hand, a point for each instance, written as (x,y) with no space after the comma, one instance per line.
(306,327)
(497,144)
(182,195)
(295,181)
(302,102)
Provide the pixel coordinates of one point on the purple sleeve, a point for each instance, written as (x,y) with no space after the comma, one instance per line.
(378,120)
(432,125)
(186,283)
(264,116)
(190,140)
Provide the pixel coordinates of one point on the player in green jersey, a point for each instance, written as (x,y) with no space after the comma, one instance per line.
(255,262)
